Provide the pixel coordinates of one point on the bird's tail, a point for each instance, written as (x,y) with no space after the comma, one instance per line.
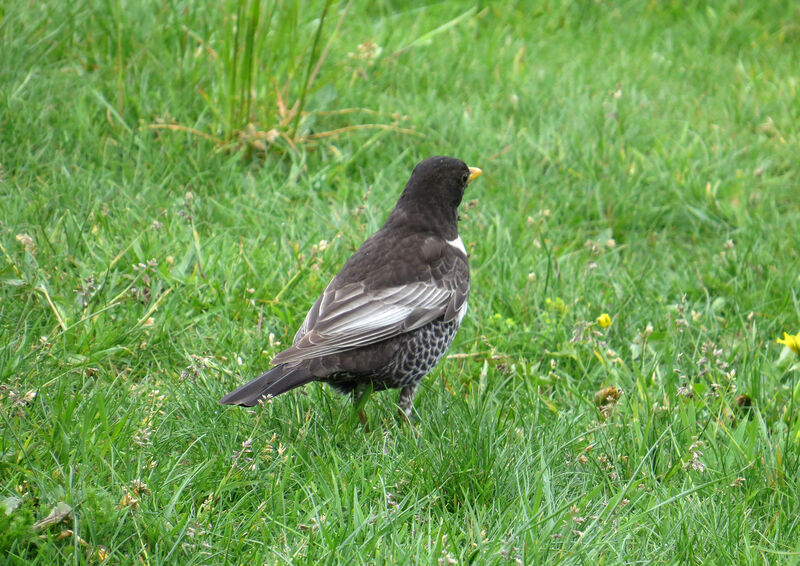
(279,379)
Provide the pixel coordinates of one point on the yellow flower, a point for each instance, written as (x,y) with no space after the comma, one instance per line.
(604,320)
(791,342)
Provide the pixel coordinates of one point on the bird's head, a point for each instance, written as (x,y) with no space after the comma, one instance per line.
(439,181)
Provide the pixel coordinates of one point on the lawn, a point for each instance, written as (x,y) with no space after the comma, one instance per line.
(180,180)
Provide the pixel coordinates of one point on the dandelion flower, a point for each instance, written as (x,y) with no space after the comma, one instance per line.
(604,320)
(791,342)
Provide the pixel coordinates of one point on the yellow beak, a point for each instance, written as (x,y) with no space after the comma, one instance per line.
(474,172)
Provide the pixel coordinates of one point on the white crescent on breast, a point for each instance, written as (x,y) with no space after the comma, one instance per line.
(458,244)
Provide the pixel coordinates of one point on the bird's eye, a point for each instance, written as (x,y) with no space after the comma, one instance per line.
(464,178)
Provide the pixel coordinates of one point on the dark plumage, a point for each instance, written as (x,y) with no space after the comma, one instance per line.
(390,314)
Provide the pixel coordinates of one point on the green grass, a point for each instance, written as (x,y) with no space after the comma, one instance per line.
(147,271)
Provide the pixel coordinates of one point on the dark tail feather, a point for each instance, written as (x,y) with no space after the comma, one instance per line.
(274,382)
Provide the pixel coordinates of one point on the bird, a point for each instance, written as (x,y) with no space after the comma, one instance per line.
(390,314)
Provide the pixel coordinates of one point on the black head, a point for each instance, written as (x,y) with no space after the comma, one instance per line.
(439,181)
(432,195)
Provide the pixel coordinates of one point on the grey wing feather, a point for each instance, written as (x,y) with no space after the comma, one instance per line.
(351,316)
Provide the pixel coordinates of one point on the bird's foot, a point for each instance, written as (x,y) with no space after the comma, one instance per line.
(360,398)
(363,418)
(405,416)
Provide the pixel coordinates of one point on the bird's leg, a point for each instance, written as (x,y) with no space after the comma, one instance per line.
(363,418)
(406,401)
(361,395)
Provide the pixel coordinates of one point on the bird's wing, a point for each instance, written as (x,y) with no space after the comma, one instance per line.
(350,316)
